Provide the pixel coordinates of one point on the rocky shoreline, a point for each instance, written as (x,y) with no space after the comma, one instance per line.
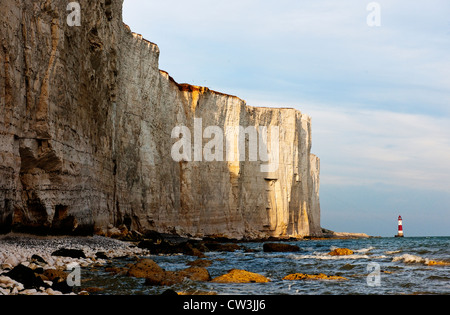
(41,265)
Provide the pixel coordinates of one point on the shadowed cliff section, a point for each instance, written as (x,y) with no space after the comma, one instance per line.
(86,120)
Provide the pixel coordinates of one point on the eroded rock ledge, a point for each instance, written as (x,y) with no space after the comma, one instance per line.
(85,138)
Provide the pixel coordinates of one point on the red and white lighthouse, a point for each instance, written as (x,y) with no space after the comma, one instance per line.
(400,227)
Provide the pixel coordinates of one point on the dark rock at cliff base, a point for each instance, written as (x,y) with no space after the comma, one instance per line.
(167,248)
(27,277)
(279,247)
(72,253)
(219,247)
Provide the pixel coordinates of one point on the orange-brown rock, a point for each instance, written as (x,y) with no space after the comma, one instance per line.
(241,276)
(144,268)
(341,252)
(155,275)
(321,276)
(437,263)
(196,274)
(53,274)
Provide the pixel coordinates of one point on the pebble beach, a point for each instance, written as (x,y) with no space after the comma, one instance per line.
(38,254)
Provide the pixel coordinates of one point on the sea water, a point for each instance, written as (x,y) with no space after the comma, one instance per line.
(380,266)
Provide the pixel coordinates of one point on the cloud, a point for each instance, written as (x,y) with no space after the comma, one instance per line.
(372,146)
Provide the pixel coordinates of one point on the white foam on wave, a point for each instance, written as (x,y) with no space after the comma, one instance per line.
(408,258)
(325,256)
(364,250)
(391,252)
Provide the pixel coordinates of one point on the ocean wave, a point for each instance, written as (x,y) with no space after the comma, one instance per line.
(413,259)
(325,256)
(409,259)
(391,252)
(364,250)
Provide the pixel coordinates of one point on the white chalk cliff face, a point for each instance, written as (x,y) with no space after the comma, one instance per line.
(86,123)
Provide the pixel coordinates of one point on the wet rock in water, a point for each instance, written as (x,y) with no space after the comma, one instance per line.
(437,263)
(155,275)
(54,275)
(279,247)
(219,247)
(196,274)
(241,276)
(167,248)
(321,276)
(190,250)
(165,278)
(144,268)
(71,253)
(341,252)
(27,277)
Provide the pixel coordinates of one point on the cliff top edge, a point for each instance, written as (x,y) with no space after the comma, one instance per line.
(186,87)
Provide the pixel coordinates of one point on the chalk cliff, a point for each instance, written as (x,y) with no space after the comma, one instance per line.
(86,122)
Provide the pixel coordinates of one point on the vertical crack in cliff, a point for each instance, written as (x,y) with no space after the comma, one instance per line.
(27,62)
(42,111)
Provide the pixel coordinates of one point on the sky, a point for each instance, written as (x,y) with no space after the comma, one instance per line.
(374,79)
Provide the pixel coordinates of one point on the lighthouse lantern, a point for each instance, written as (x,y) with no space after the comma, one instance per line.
(400,227)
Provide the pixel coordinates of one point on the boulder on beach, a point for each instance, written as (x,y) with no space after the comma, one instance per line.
(38,260)
(341,252)
(26,276)
(71,253)
(241,276)
(280,247)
